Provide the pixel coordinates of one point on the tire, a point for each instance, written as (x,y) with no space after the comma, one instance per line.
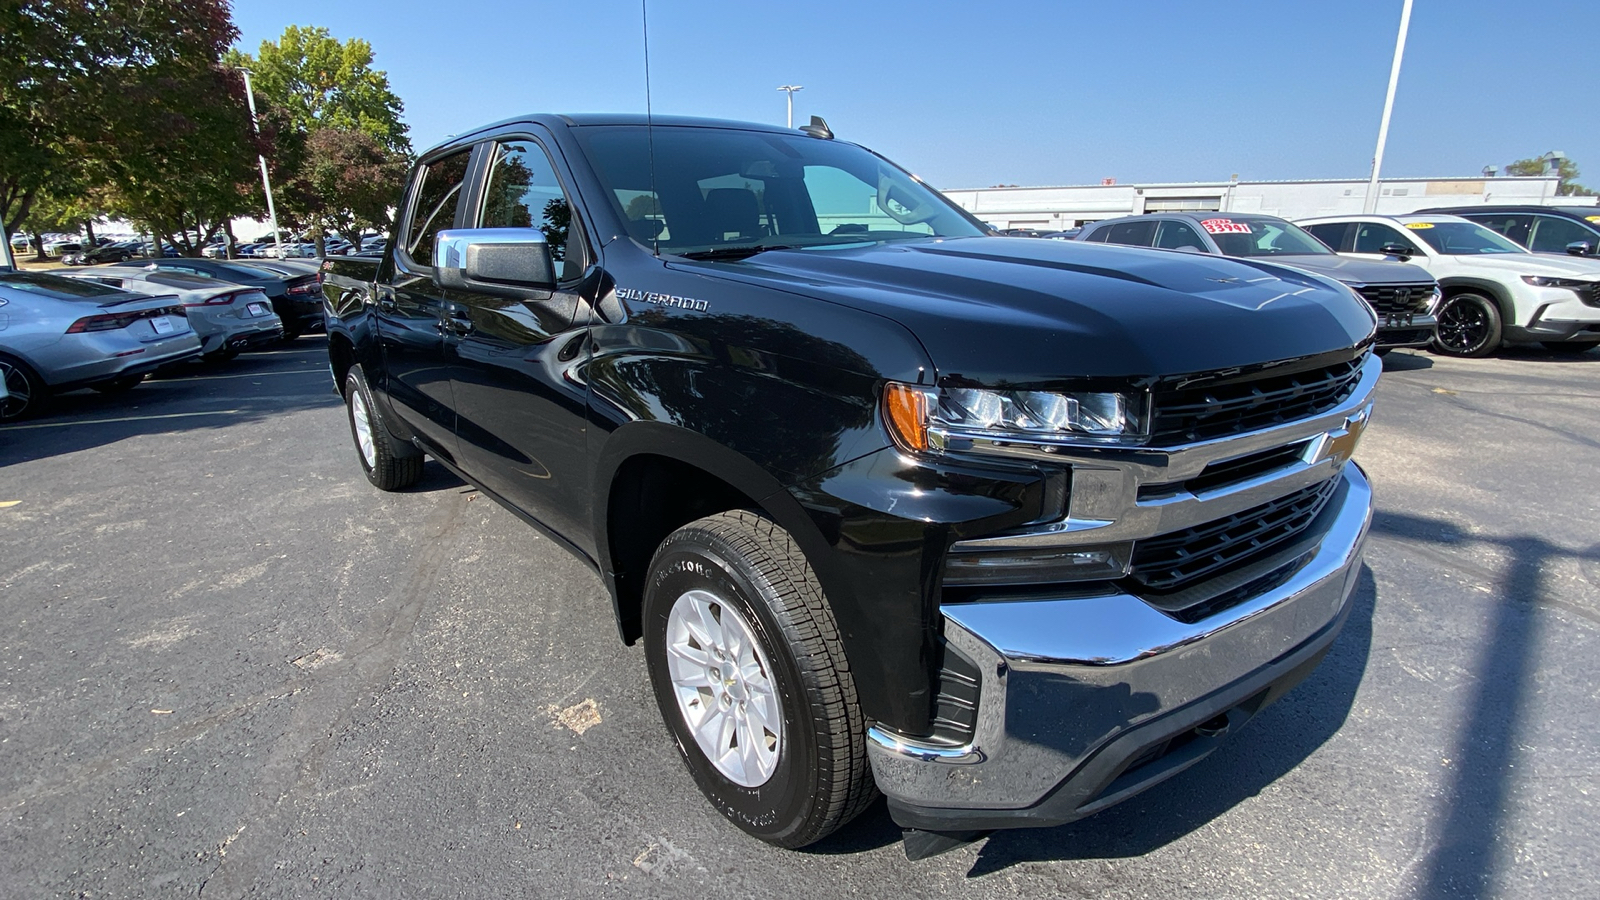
(1570,346)
(119,385)
(738,573)
(1469,326)
(387,463)
(26,392)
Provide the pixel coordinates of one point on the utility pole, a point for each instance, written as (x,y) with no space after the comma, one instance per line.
(266,183)
(1371,204)
(791,88)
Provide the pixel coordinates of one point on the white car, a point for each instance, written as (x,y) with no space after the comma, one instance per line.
(1494,291)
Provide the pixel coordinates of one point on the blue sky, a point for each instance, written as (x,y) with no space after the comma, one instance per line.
(1034,93)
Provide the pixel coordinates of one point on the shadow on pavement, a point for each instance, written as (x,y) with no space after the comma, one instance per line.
(1402,361)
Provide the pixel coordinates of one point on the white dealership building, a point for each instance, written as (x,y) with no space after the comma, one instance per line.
(1060,208)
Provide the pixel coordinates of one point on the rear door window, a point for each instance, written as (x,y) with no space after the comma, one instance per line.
(437,194)
(1515,227)
(1335,234)
(1134,234)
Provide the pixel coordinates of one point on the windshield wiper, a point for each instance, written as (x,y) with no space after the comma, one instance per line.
(742,252)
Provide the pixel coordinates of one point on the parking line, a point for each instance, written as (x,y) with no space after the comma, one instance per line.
(219,412)
(179,379)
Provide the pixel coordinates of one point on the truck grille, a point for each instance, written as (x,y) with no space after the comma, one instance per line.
(1181,415)
(1173,560)
(1397,299)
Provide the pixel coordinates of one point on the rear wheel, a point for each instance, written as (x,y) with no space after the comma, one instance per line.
(119,385)
(25,392)
(1570,346)
(751,678)
(387,463)
(1469,326)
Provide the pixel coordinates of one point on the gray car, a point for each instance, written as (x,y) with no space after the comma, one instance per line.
(1403,297)
(227,317)
(59,334)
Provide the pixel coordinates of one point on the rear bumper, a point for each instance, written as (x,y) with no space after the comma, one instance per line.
(1085,702)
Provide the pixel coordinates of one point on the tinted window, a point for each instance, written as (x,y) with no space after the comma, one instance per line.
(1514,227)
(1331,233)
(56,287)
(1098,235)
(1552,235)
(1372,238)
(1134,234)
(434,209)
(1461,238)
(1178,235)
(524,192)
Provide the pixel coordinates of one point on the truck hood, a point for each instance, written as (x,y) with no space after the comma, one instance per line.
(1355,271)
(991,310)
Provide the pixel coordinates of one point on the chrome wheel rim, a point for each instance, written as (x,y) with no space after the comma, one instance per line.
(1463,326)
(18,394)
(363,429)
(723,685)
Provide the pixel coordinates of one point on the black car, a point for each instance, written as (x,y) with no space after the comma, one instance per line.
(296,292)
(1402,296)
(1542,229)
(116,251)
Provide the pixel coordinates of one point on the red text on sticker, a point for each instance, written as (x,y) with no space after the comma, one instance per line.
(1224,226)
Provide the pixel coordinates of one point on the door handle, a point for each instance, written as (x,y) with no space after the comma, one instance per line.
(458,324)
(384,299)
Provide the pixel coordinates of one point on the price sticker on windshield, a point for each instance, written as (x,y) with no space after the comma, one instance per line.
(1419,226)
(1224,226)
(1594,218)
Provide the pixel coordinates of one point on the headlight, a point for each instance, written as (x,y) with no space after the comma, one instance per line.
(922,418)
(1433,301)
(1547,281)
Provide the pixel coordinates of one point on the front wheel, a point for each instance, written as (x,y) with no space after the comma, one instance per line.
(751,678)
(387,463)
(25,392)
(1469,326)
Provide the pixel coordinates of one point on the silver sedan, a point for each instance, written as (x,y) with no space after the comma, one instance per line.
(227,317)
(58,334)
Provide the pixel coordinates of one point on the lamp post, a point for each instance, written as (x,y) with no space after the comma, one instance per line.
(1371,204)
(791,88)
(266,183)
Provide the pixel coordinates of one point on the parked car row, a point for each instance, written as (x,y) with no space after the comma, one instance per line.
(1461,285)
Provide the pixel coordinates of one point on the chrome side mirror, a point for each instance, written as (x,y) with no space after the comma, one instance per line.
(1580,248)
(493,260)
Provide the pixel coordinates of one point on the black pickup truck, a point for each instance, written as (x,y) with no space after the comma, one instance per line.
(1008,530)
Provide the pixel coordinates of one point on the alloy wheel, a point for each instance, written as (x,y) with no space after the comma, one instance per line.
(723,685)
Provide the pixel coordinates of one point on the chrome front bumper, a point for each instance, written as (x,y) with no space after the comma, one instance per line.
(1086,701)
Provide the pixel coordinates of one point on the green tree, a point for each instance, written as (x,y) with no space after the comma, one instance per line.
(64,67)
(337,113)
(1567,174)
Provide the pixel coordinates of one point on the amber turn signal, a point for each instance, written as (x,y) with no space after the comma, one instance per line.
(905,411)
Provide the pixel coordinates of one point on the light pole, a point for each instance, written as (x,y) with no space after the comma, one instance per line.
(1371,204)
(266,183)
(791,88)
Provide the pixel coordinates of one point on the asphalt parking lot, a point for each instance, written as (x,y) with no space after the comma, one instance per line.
(230,667)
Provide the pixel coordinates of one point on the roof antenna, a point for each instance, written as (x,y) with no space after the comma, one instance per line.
(649,124)
(818,129)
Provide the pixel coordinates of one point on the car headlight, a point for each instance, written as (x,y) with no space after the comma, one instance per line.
(923,419)
(1548,281)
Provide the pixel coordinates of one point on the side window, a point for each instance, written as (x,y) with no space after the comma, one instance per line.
(1331,233)
(1552,235)
(1372,237)
(1136,234)
(437,193)
(524,192)
(1098,236)
(1178,235)
(1513,227)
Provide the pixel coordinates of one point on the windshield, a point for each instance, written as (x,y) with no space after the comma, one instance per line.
(726,193)
(1461,238)
(1262,237)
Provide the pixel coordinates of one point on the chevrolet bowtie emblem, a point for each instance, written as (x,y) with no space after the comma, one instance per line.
(1340,443)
